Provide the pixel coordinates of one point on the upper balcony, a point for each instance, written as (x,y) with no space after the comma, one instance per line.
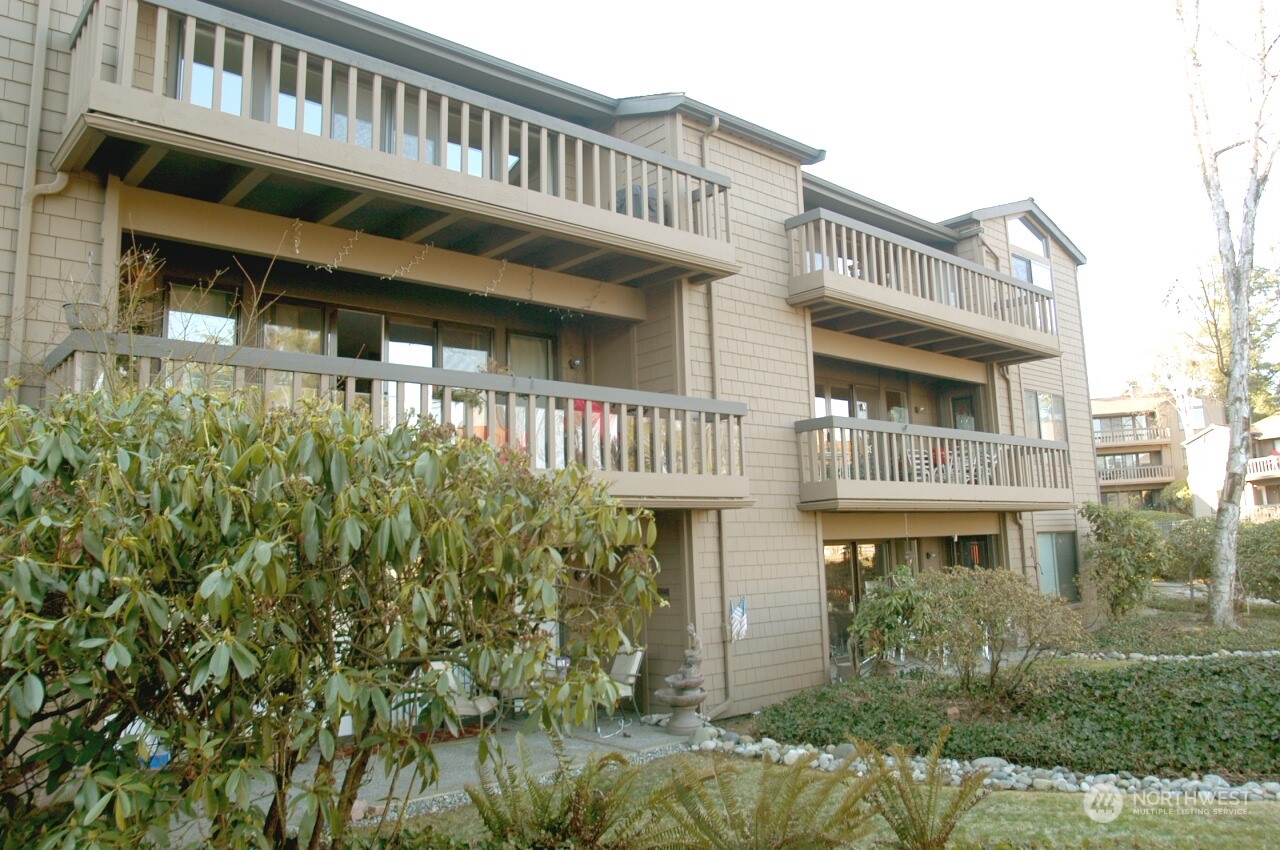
(861,464)
(1130,437)
(657,450)
(861,280)
(1263,467)
(190,99)
(1129,476)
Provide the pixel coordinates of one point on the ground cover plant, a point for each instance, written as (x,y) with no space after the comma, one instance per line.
(239,581)
(1169,718)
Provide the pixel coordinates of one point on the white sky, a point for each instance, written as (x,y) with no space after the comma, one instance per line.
(936,108)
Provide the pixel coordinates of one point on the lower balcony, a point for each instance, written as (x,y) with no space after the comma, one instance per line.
(859,464)
(1126,476)
(657,450)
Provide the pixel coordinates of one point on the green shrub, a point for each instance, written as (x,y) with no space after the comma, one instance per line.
(994,620)
(919,812)
(1176,497)
(1258,559)
(590,808)
(1170,631)
(240,581)
(1126,553)
(1190,550)
(893,615)
(715,804)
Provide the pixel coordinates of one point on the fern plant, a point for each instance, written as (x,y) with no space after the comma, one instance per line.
(716,805)
(591,808)
(920,812)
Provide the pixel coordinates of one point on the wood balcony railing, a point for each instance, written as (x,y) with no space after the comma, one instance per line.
(1263,467)
(849,464)
(1136,474)
(1262,513)
(1150,434)
(943,290)
(222,74)
(658,450)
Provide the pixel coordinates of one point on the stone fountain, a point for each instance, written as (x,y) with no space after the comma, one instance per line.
(684,692)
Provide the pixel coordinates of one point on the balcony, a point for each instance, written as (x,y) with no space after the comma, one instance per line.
(859,464)
(1131,436)
(1127,476)
(1262,513)
(237,112)
(861,280)
(1263,467)
(657,450)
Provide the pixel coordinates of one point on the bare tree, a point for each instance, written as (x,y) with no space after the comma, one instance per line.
(1235,247)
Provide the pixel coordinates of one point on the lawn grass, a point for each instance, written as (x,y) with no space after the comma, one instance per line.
(1172,626)
(1015,819)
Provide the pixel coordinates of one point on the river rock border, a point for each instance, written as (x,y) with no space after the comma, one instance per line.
(1116,655)
(1002,776)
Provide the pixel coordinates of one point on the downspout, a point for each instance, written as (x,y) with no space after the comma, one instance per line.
(30,191)
(1017,518)
(716,710)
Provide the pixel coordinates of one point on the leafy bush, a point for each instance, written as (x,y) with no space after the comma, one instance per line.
(593,807)
(893,615)
(914,809)
(1258,559)
(234,583)
(1127,552)
(715,804)
(983,618)
(1176,497)
(1191,550)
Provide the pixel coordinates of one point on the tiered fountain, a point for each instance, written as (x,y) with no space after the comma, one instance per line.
(684,692)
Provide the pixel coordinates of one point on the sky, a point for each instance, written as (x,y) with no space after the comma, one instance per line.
(936,108)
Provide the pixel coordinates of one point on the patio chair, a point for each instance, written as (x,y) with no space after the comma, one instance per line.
(624,672)
(463,697)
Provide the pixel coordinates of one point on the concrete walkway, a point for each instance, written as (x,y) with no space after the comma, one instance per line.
(458,759)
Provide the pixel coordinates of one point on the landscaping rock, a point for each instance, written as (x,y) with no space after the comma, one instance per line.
(1042,784)
(989,763)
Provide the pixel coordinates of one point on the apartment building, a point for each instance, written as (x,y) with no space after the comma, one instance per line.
(1207,458)
(1139,441)
(806,386)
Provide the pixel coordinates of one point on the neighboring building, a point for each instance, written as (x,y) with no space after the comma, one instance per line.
(805,385)
(1139,440)
(1207,456)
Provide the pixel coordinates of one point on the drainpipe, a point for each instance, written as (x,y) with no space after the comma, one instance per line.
(718,709)
(1017,518)
(30,191)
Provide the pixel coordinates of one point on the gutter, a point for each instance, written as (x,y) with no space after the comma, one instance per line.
(30,191)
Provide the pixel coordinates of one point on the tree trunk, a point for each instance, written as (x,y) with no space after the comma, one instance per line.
(1222,590)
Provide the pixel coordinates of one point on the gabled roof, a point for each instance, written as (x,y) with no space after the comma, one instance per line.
(1266,429)
(1029,206)
(345,25)
(826,195)
(658,104)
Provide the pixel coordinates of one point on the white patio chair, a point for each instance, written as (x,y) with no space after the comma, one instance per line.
(624,672)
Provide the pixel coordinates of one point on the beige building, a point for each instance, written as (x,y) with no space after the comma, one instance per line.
(805,385)
(1139,441)
(1207,457)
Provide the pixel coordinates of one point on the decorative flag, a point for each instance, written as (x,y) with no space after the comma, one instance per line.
(738,619)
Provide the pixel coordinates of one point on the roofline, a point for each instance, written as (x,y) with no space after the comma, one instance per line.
(654,104)
(1025,206)
(927,230)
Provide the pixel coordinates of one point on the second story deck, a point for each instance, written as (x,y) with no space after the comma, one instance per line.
(190,99)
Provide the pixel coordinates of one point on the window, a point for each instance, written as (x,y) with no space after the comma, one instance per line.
(1056,558)
(831,400)
(1046,415)
(1133,460)
(1030,254)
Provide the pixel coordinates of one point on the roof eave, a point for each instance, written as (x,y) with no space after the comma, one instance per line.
(657,104)
(1025,206)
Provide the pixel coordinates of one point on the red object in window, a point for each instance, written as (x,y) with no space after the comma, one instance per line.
(939,456)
